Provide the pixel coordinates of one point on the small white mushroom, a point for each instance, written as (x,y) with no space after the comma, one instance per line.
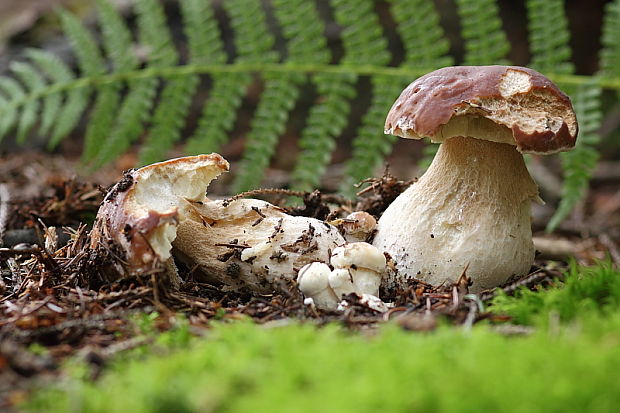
(357,226)
(361,263)
(358,268)
(312,281)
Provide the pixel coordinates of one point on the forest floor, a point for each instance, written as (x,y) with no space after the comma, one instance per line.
(50,312)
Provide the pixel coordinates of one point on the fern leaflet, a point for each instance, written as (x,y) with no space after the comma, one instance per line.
(485,40)
(280,93)
(205,46)
(610,53)
(579,163)
(549,36)
(13,91)
(33,82)
(364,43)
(425,45)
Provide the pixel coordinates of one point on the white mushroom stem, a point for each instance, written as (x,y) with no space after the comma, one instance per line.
(469,212)
(251,243)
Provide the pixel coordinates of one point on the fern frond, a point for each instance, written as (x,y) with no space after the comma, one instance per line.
(254,43)
(579,163)
(13,91)
(364,43)
(204,39)
(281,92)
(326,121)
(136,107)
(327,117)
(549,36)
(205,46)
(610,53)
(277,100)
(57,71)
(34,82)
(423,37)
(169,118)
(485,40)
(371,145)
(117,43)
(425,45)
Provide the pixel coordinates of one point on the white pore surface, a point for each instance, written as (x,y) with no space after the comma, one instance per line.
(469,212)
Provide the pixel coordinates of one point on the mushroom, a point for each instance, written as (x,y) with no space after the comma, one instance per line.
(357,226)
(470,211)
(313,282)
(137,221)
(161,210)
(358,268)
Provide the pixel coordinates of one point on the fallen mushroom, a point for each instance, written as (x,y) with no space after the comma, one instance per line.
(471,209)
(161,209)
(137,220)
(358,268)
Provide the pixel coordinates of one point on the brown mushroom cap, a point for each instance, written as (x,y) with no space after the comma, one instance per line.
(507,104)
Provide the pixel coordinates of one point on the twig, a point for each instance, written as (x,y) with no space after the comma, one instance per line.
(5,197)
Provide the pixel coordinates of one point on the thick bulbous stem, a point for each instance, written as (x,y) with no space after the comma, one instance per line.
(469,212)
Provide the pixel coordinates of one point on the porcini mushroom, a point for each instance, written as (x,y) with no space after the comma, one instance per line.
(470,211)
(138,218)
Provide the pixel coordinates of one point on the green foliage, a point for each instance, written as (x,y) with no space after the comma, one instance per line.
(549,36)
(485,41)
(579,164)
(586,291)
(610,53)
(142,87)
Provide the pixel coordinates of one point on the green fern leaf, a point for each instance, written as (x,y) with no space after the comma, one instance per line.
(169,118)
(326,120)
(117,43)
(364,43)
(425,45)
(371,145)
(34,82)
(278,98)
(57,71)
(203,36)
(579,163)
(485,40)
(423,37)
(13,91)
(610,53)
(135,109)
(328,117)
(279,95)
(549,36)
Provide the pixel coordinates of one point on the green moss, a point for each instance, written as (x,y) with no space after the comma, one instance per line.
(241,367)
(585,290)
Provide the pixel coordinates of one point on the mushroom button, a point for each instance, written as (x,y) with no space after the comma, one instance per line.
(475,198)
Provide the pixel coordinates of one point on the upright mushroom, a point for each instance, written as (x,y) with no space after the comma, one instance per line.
(470,211)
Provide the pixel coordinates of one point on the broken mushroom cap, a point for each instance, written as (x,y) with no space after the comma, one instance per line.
(470,211)
(505,104)
(138,217)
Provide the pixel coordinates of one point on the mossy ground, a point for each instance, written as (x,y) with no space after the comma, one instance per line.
(570,362)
